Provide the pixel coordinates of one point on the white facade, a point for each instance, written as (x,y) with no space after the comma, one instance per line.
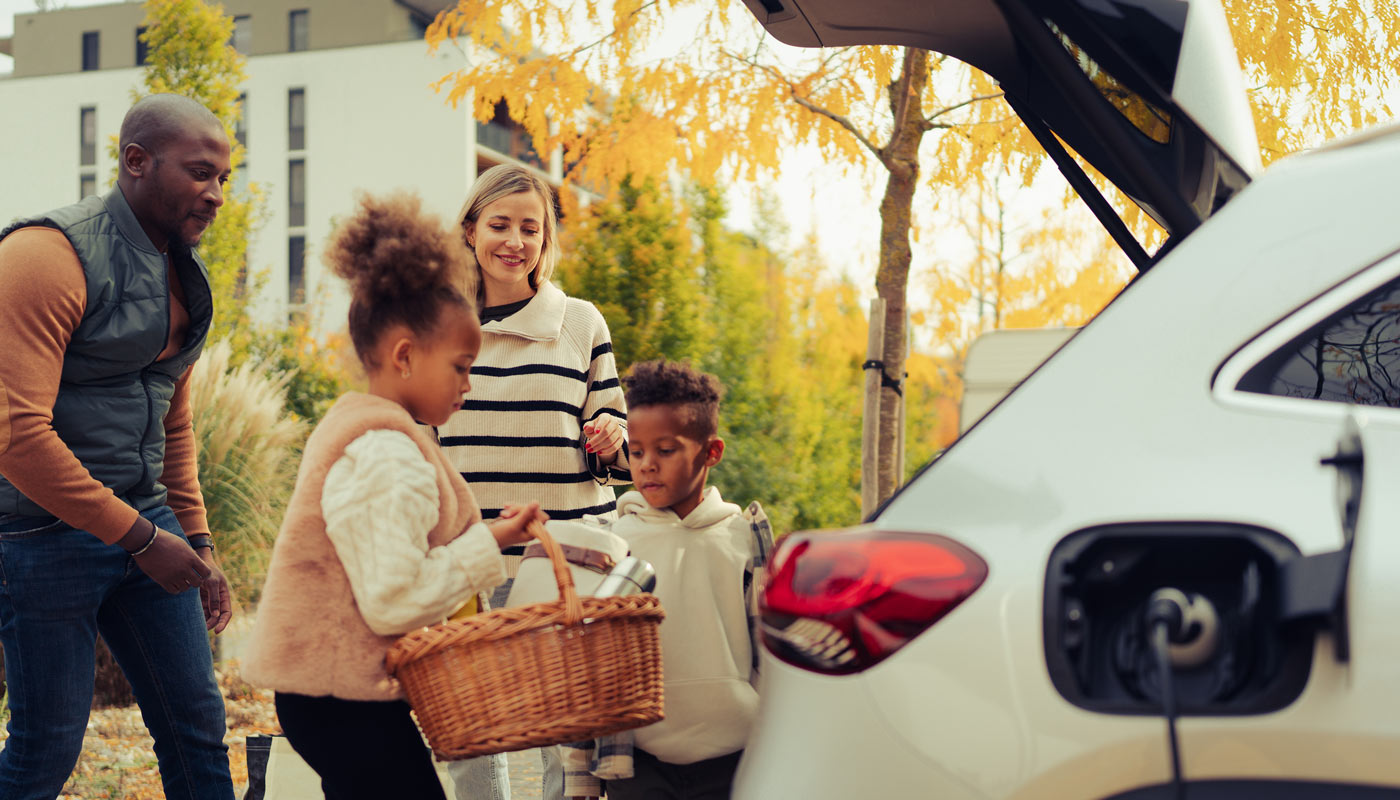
(372,124)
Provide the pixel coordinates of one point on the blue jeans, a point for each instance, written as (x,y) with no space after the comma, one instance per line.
(488,777)
(60,588)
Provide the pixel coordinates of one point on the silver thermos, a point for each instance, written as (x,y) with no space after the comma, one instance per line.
(631,576)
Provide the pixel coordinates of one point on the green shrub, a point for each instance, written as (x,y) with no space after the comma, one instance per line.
(313,371)
(249,447)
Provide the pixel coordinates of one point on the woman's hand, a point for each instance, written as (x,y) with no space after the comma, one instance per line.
(512,526)
(604,437)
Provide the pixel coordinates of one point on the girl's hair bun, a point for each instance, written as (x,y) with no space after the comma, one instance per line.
(402,266)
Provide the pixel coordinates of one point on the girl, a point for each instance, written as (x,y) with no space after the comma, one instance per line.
(381,534)
(546,417)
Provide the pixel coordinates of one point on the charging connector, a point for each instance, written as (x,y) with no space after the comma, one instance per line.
(1193,631)
(1191,625)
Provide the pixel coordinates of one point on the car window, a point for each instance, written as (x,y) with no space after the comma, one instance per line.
(1151,121)
(1352,357)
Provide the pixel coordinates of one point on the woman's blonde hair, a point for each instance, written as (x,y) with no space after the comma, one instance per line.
(504,180)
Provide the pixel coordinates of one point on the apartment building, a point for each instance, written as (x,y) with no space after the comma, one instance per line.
(338,100)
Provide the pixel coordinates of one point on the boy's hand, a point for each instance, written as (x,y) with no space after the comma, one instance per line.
(511,527)
(604,438)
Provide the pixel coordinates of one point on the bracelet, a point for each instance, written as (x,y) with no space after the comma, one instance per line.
(147,546)
(202,540)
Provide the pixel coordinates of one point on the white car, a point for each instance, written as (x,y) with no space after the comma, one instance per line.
(1204,476)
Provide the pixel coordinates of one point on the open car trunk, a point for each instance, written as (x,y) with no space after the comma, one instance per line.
(1149,92)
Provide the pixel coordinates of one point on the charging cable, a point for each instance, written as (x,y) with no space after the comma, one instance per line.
(1185,632)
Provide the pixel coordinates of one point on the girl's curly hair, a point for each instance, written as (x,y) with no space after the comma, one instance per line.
(677,384)
(403,267)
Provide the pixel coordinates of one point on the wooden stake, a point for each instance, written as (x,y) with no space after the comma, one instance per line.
(870,437)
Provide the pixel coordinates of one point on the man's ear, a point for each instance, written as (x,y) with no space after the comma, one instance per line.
(714,451)
(137,161)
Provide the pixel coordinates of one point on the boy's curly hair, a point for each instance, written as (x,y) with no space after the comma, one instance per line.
(676,383)
(403,267)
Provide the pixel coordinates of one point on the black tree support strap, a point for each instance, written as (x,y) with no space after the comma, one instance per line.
(885,379)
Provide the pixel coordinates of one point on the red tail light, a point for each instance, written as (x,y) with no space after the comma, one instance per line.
(839,602)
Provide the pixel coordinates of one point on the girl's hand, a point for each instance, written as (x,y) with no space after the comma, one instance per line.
(604,437)
(511,527)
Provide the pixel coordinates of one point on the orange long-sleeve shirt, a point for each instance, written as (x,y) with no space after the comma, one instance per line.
(43,294)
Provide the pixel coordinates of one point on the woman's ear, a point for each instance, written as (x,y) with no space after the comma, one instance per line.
(714,451)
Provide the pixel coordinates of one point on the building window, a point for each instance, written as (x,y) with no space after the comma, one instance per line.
(242,38)
(296,270)
(296,193)
(91,48)
(298,30)
(142,50)
(507,137)
(87,136)
(296,119)
(240,179)
(87,186)
(240,125)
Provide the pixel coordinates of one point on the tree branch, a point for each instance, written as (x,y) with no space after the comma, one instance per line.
(638,10)
(809,105)
(929,123)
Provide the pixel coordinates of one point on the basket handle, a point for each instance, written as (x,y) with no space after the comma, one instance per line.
(573,609)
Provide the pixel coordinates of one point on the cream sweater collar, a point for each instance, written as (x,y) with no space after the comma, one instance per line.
(541,320)
(712,510)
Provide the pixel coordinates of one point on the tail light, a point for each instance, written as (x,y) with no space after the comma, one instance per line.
(839,602)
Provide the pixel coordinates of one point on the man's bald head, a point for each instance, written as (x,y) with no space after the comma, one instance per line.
(157,119)
(178,201)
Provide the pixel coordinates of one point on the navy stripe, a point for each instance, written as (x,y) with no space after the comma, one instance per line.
(598,386)
(605,347)
(520,405)
(508,441)
(602,411)
(576,513)
(530,369)
(527,477)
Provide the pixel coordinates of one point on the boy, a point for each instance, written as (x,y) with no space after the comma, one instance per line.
(708,556)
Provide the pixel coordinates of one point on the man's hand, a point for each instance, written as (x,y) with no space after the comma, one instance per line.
(170,562)
(214,593)
(604,438)
(511,527)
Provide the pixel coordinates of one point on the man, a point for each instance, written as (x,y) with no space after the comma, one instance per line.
(103,308)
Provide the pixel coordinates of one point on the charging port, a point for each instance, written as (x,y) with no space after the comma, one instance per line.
(1234,654)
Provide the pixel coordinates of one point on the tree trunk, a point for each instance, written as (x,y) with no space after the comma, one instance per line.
(901,158)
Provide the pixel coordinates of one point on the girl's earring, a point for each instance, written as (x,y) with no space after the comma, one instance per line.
(405,374)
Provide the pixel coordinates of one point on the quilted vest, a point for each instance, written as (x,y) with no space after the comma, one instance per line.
(114,394)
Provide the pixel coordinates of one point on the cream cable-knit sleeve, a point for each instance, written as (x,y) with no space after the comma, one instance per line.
(379,501)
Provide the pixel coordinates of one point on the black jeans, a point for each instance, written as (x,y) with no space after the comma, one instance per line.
(653,779)
(361,749)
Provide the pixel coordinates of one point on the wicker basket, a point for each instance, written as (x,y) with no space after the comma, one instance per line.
(542,674)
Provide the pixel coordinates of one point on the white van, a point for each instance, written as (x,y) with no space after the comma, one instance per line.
(1165,564)
(997,361)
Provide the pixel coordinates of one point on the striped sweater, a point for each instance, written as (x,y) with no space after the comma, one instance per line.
(542,373)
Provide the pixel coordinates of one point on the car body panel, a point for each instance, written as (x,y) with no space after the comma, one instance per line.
(1128,422)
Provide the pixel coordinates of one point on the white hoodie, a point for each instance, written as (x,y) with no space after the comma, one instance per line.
(707,654)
